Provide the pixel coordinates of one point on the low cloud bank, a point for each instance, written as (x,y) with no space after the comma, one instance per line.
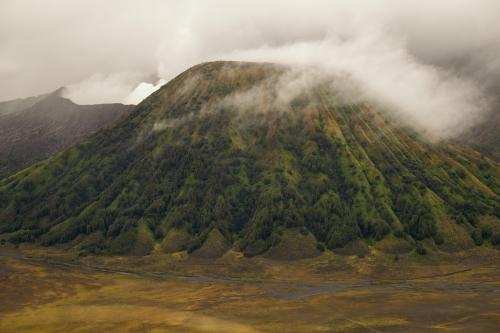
(377,68)
(142,91)
(434,62)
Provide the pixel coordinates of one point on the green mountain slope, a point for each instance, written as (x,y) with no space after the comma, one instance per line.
(239,155)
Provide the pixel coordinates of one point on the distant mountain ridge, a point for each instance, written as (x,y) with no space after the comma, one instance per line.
(35,128)
(237,155)
(19,104)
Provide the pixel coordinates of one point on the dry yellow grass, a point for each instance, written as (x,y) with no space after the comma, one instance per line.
(37,296)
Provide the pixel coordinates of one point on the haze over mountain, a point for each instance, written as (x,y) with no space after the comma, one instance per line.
(434,61)
(250,166)
(35,128)
(245,155)
(485,136)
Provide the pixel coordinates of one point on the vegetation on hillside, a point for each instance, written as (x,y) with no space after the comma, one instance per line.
(210,156)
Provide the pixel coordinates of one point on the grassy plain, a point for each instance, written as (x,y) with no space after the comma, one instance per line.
(51,290)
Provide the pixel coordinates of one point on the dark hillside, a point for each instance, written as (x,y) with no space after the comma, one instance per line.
(225,155)
(35,128)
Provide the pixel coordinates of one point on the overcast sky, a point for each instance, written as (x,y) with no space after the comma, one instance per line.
(430,55)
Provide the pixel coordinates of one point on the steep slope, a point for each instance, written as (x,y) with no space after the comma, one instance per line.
(245,155)
(34,128)
(485,136)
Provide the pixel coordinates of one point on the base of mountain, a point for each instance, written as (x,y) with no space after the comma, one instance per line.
(287,244)
(47,289)
(296,257)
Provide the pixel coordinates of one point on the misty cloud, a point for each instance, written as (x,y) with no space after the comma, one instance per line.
(383,72)
(434,62)
(113,88)
(142,91)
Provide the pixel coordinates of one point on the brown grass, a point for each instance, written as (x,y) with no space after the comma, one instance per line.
(325,294)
